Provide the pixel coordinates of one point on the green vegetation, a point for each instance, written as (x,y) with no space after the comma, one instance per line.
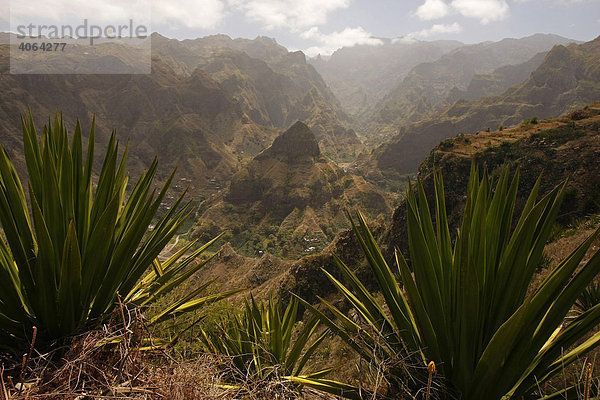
(589,298)
(559,135)
(261,343)
(78,247)
(265,344)
(446,144)
(483,306)
(466,307)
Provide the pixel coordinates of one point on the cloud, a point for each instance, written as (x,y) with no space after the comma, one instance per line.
(432,9)
(558,2)
(328,43)
(202,14)
(294,14)
(484,10)
(434,30)
(408,39)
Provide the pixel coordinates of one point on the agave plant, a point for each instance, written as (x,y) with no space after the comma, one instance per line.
(260,341)
(589,298)
(67,253)
(466,306)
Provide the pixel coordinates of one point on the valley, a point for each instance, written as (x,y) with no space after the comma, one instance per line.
(340,190)
(215,108)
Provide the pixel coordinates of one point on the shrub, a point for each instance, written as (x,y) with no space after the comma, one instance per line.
(505,146)
(466,306)
(261,344)
(67,254)
(589,298)
(532,121)
(446,144)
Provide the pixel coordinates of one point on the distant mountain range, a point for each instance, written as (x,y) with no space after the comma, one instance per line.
(273,86)
(567,79)
(361,76)
(355,126)
(428,87)
(208,106)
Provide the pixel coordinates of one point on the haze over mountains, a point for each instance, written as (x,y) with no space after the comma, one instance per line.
(206,107)
(567,79)
(404,80)
(361,76)
(426,88)
(274,147)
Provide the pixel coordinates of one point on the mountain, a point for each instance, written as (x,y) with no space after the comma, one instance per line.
(496,82)
(559,149)
(567,79)
(208,106)
(289,200)
(423,92)
(273,86)
(190,122)
(360,76)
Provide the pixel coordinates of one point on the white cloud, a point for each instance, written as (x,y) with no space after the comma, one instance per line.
(328,43)
(558,2)
(295,14)
(201,14)
(408,39)
(484,10)
(434,30)
(432,9)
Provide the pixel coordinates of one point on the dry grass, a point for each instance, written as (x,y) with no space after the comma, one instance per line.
(117,363)
(560,248)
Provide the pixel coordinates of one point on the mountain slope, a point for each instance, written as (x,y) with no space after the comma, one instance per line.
(273,86)
(496,82)
(563,148)
(568,78)
(207,107)
(360,76)
(424,90)
(289,200)
(188,121)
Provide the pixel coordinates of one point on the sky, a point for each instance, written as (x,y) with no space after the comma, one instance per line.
(322,26)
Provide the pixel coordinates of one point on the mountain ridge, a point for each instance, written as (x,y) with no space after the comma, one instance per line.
(288,200)
(422,92)
(564,81)
(562,149)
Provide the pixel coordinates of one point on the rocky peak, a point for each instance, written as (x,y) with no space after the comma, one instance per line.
(297,142)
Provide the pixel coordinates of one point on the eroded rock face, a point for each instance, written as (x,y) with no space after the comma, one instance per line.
(565,148)
(296,143)
(280,177)
(290,199)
